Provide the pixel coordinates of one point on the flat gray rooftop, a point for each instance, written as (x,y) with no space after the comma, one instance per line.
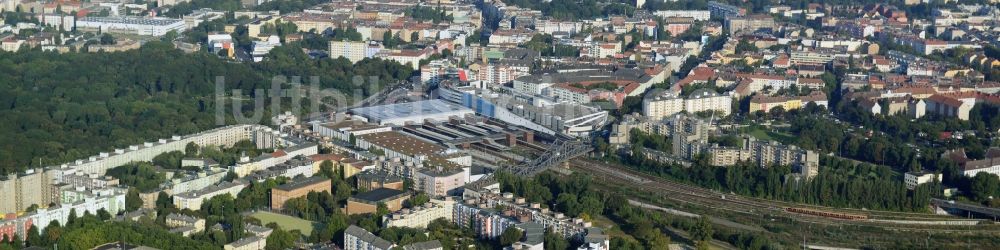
(411,109)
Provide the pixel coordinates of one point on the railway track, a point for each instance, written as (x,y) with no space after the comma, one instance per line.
(701,197)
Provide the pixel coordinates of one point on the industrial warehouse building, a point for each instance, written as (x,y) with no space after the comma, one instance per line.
(298,188)
(411,112)
(143,26)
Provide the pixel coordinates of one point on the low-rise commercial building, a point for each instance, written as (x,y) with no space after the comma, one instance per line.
(371,180)
(412,112)
(536,113)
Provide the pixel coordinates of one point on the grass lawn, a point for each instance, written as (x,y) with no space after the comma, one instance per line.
(288,223)
(764,134)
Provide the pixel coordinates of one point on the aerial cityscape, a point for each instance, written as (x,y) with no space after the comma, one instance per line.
(499,124)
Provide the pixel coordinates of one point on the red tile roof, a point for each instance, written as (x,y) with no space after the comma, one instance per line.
(278,153)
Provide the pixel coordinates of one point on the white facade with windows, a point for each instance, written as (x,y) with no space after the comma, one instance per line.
(143,26)
(914,179)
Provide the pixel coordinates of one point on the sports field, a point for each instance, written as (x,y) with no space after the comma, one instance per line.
(288,223)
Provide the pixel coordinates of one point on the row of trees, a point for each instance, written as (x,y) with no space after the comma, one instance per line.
(543,43)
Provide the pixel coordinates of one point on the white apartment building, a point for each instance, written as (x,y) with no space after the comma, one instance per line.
(530,87)
(434,71)
(665,104)
(354,51)
(197,181)
(247,166)
(78,200)
(263,136)
(548,26)
(708,100)
(406,57)
(193,200)
(248,243)
(662,105)
(440,183)
(569,94)
(66,22)
(810,57)
(11,44)
(421,216)
(356,238)
(603,50)
(697,15)
(501,73)
(299,165)
(759,82)
(913,179)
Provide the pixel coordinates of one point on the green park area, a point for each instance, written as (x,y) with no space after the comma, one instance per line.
(286,222)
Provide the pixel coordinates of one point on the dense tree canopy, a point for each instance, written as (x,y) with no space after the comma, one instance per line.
(62,107)
(433,14)
(140,175)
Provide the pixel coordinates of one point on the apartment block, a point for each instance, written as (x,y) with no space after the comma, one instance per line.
(185,224)
(248,243)
(354,51)
(421,216)
(666,103)
(79,200)
(749,24)
(193,199)
(20,191)
(697,15)
(724,11)
(356,238)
